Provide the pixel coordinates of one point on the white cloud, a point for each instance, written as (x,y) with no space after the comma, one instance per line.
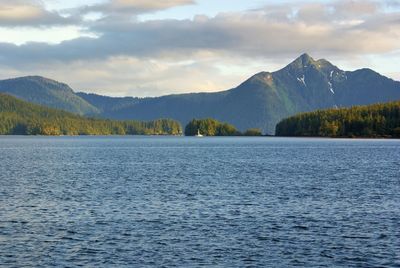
(30,13)
(144,5)
(126,9)
(131,57)
(50,35)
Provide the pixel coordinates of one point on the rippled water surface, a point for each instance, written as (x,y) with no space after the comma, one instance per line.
(188,202)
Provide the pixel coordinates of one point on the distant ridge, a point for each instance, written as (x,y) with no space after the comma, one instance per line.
(261,101)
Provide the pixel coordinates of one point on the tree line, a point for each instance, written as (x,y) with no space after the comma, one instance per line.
(378,120)
(23,118)
(212,127)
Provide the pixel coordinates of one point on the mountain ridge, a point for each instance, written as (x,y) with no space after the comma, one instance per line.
(262,100)
(267,97)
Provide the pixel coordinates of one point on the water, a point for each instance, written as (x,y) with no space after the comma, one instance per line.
(189,202)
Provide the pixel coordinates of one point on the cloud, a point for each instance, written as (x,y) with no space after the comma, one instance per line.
(33,13)
(126,10)
(30,13)
(352,8)
(132,57)
(343,27)
(137,6)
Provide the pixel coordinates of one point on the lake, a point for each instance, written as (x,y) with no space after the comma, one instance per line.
(190,202)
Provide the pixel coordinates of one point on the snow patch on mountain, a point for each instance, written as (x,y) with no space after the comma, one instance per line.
(331,87)
(302,80)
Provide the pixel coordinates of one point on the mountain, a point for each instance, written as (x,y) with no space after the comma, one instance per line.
(47,92)
(19,117)
(259,102)
(266,98)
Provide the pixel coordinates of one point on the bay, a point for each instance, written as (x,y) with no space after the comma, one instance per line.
(192,202)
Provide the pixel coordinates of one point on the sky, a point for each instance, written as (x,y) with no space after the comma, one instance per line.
(152,48)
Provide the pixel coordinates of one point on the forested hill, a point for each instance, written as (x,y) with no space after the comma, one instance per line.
(18,117)
(47,92)
(378,120)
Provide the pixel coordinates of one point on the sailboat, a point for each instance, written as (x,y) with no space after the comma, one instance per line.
(198,133)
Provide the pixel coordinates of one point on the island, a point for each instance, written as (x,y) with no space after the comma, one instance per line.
(213,127)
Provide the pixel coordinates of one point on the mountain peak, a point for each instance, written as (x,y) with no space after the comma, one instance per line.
(303,61)
(306,62)
(300,64)
(305,57)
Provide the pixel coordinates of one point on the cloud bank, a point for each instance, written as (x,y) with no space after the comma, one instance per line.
(338,29)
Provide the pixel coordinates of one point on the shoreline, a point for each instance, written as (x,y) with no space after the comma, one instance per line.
(183,136)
